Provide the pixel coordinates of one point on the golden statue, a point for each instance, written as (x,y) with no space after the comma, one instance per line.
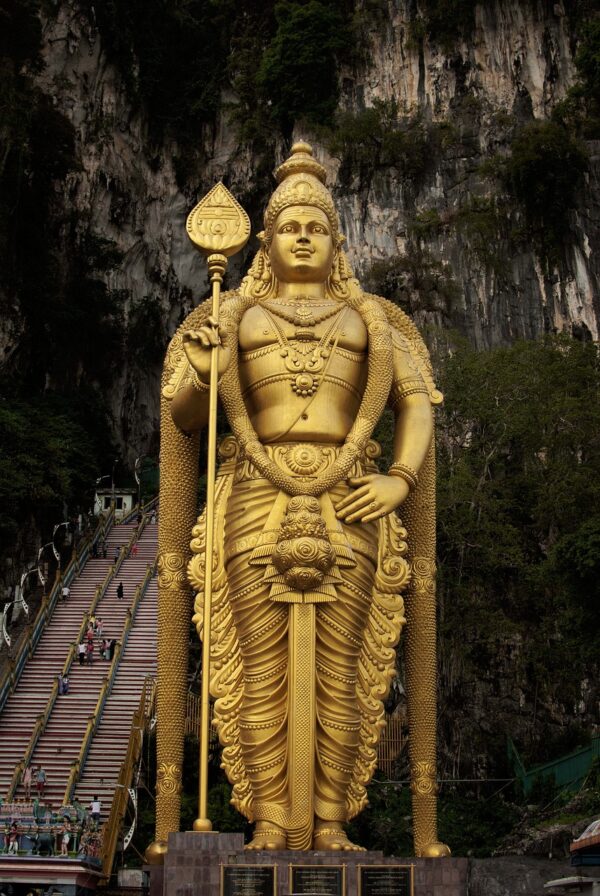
(313,573)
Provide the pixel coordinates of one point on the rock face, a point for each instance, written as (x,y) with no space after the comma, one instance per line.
(510,875)
(518,62)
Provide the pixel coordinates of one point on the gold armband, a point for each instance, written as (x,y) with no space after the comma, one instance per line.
(403,472)
(403,388)
(198,384)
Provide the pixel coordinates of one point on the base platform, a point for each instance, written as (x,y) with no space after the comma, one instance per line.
(71,877)
(194,867)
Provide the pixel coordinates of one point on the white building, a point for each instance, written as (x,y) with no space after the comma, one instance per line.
(124,499)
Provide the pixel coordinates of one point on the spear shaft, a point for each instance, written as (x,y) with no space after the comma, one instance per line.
(219,227)
(216,265)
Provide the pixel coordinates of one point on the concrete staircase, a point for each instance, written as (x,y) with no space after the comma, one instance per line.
(59,745)
(110,742)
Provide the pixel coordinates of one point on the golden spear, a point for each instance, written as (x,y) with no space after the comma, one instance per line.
(219,227)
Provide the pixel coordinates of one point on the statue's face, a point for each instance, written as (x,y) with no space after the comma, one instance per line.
(302,246)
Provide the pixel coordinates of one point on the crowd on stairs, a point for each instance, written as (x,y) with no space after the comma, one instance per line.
(38,812)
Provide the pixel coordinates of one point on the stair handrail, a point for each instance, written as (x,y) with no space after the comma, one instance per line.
(30,637)
(38,728)
(102,588)
(42,718)
(140,724)
(40,725)
(95,718)
(144,508)
(92,724)
(124,552)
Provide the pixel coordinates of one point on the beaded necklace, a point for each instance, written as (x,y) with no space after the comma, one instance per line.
(303,314)
(379,381)
(308,368)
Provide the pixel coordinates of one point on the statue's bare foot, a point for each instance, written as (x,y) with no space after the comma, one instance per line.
(435,851)
(267,836)
(335,838)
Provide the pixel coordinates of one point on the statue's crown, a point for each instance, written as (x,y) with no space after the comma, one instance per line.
(301,181)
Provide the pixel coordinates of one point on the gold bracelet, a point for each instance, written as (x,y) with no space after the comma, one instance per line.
(198,384)
(403,472)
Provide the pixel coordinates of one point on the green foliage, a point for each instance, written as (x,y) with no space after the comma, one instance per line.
(172,57)
(543,173)
(481,220)
(53,418)
(518,499)
(20,34)
(415,281)
(472,826)
(297,75)
(475,827)
(587,59)
(386,823)
(281,57)
(378,137)
(52,449)
(443,21)
(579,112)
(50,261)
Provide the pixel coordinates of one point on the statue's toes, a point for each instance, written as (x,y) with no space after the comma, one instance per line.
(435,850)
(269,840)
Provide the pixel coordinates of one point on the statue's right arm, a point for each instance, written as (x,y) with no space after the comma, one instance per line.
(189,407)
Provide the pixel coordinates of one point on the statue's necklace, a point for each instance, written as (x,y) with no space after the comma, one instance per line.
(307,370)
(303,314)
(377,389)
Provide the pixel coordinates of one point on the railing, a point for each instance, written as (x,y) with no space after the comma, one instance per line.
(101,590)
(38,728)
(144,509)
(192,714)
(29,638)
(140,723)
(95,717)
(567,771)
(42,719)
(393,741)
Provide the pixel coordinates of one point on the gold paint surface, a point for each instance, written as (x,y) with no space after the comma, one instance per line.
(313,572)
(218,224)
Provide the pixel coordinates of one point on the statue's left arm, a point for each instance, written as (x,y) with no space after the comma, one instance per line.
(376,495)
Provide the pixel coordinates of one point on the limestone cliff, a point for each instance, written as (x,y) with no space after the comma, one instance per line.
(518,61)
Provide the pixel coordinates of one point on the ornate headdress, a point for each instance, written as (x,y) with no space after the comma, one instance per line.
(301,181)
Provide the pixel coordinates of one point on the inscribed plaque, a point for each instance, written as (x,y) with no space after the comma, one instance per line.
(248,880)
(385,880)
(317,880)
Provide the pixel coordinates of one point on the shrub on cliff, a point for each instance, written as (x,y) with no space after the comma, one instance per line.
(298,72)
(543,173)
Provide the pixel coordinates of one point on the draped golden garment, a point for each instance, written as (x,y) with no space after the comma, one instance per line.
(270,746)
(262,625)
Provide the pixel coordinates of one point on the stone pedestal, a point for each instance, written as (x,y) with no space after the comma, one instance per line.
(193,867)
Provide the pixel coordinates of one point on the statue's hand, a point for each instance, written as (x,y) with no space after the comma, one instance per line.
(198,345)
(374,496)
